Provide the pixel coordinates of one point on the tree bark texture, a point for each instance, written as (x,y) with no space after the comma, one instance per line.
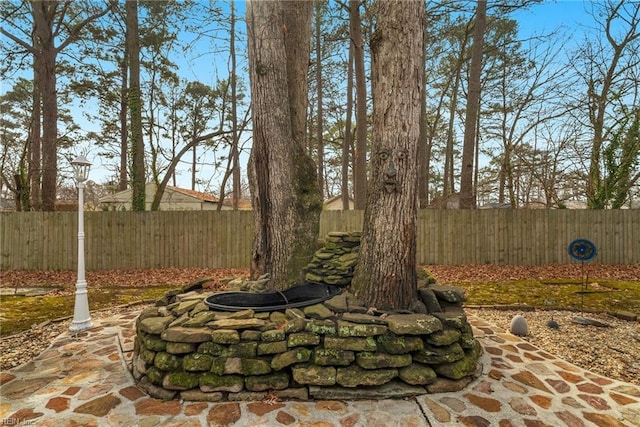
(123,176)
(360,166)
(385,276)
(285,195)
(135,108)
(346,143)
(43,17)
(467,200)
(319,86)
(35,140)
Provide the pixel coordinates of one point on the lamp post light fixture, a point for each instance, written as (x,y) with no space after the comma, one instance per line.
(81,318)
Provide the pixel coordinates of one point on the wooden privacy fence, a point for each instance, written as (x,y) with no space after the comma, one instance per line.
(211,239)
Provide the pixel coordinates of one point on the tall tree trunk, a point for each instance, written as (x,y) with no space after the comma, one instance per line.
(135,108)
(448,181)
(320,123)
(467,201)
(424,150)
(285,196)
(124,128)
(360,170)
(346,142)
(35,141)
(43,14)
(194,164)
(235,150)
(385,276)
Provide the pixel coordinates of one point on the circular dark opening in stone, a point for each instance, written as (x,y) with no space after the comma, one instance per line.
(303,295)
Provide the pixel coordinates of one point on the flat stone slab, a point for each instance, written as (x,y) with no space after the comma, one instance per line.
(392,390)
(413,324)
(27,291)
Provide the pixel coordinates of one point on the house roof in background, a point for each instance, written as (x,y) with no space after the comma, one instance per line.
(197,194)
(125,195)
(334,198)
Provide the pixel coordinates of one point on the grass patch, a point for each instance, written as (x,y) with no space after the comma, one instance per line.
(19,313)
(602,296)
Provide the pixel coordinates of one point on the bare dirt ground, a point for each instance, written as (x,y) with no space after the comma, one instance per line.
(612,351)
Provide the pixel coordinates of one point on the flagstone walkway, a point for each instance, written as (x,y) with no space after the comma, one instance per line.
(85,380)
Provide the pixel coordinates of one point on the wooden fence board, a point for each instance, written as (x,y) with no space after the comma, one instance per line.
(210,239)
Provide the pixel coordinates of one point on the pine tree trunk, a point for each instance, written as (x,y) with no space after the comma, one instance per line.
(138,178)
(43,15)
(285,196)
(385,276)
(360,167)
(467,199)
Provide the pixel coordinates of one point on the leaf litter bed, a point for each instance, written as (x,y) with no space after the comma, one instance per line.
(553,291)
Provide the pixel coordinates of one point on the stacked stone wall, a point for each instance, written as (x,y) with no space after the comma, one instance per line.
(335,262)
(337,349)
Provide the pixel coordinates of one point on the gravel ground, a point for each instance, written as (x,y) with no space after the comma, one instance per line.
(612,351)
(18,349)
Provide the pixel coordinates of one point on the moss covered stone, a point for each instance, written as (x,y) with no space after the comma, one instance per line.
(242,349)
(200,319)
(354,376)
(300,339)
(417,374)
(184,307)
(155,375)
(225,336)
(321,327)
(155,325)
(278,317)
(250,335)
(153,342)
(314,375)
(180,381)
(458,369)
(272,335)
(295,325)
(450,294)
(399,344)
(231,383)
(413,324)
(348,329)
(372,360)
(238,365)
(444,337)
(455,318)
(317,311)
(275,381)
(352,344)
(197,362)
(182,334)
(272,347)
(180,347)
(212,348)
(147,355)
(237,323)
(327,357)
(167,362)
(432,355)
(291,357)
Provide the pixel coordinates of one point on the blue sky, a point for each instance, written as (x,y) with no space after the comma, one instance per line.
(569,15)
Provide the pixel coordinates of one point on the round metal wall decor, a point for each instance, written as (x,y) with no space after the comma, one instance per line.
(582,250)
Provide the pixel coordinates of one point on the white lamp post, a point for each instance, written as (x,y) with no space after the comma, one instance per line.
(81,318)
